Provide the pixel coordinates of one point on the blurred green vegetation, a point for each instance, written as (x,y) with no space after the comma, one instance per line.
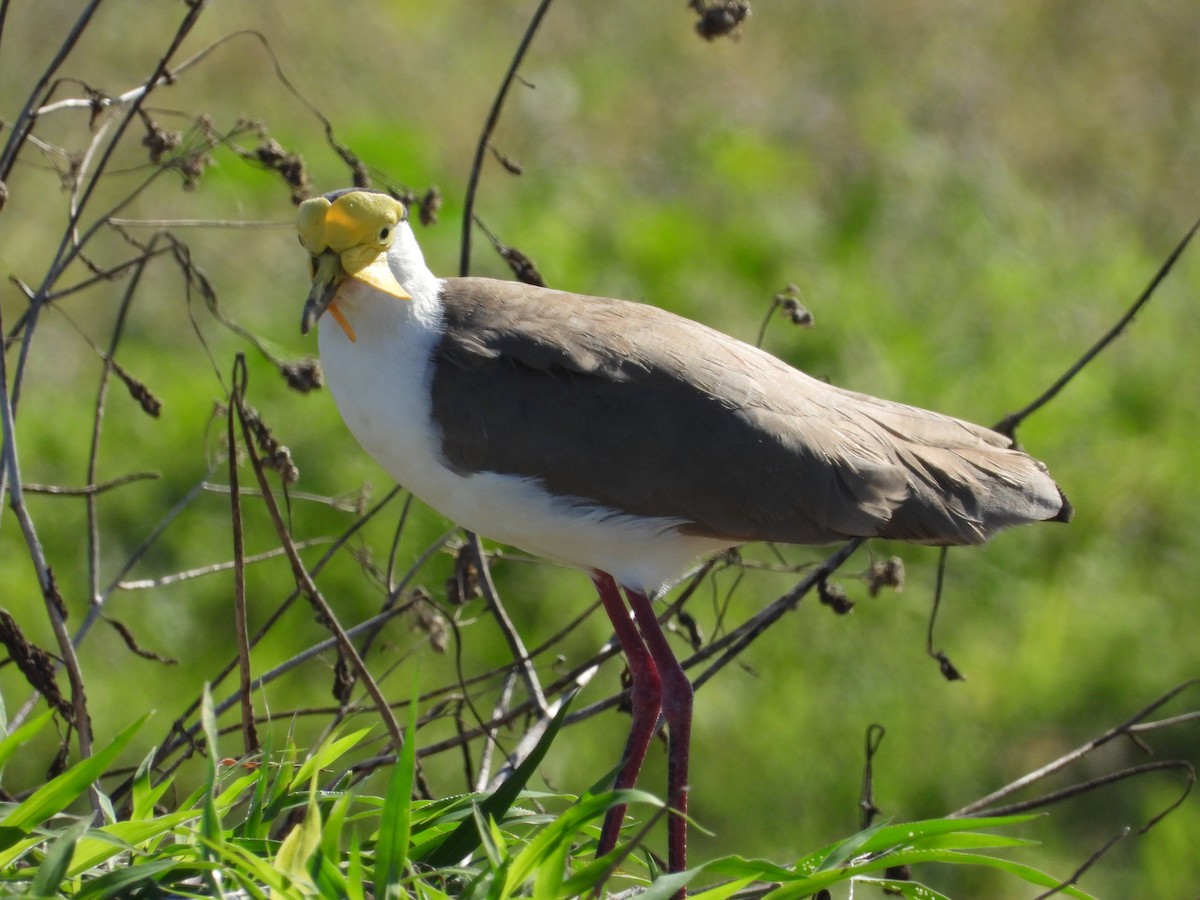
(967,196)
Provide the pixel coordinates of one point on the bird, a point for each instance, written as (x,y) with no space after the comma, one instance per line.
(627,441)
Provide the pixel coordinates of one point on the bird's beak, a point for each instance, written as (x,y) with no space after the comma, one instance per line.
(330,271)
(328,276)
(376,272)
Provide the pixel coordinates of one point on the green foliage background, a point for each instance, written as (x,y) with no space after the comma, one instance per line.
(967,196)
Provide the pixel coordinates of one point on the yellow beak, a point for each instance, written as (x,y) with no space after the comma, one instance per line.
(330,271)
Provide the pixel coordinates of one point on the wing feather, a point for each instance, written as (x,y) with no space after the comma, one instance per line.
(626,406)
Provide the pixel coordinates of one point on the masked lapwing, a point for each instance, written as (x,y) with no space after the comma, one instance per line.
(627,441)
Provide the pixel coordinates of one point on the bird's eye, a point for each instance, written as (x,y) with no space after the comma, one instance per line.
(384,233)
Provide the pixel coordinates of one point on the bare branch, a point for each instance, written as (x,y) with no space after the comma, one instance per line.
(56,490)
(489,126)
(309,586)
(250,744)
(1008,425)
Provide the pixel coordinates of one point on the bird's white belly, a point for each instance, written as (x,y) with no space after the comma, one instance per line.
(381,384)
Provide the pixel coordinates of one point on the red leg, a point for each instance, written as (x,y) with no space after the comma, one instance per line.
(677,711)
(647,702)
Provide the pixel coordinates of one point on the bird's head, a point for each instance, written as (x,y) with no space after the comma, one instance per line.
(347,235)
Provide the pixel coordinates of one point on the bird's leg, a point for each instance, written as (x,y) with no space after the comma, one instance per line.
(646,697)
(677,711)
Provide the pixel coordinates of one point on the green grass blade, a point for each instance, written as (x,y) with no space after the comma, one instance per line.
(277,794)
(210,819)
(328,878)
(463,841)
(721,891)
(758,869)
(252,824)
(544,857)
(13,742)
(101,844)
(301,843)
(355,876)
(883,838)
(805,886)
(911,890)
(325,756)
(335,825)
(138,880)
(145,793)
(395,823)
(665,886)
(1020,870)
(53,869)
(970,840)
(17,847)
(855,845)
(888,836)
(549,869)
(495,850)
(57,794)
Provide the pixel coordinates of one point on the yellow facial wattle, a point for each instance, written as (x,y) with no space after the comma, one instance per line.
(348,236)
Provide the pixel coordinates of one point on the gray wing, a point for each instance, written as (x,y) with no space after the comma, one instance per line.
(629,407)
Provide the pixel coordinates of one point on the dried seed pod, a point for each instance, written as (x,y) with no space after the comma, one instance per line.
(430,206)
(834,596)
(721,19)
(303,376)
(887,573)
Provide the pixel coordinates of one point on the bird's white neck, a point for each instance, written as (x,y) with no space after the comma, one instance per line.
(372,324)
(408,265)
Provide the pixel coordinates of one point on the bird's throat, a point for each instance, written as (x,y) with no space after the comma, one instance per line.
(342,321)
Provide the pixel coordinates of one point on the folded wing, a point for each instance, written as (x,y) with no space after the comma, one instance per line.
(627,407)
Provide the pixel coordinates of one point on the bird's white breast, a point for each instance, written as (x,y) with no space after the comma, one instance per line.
(381,384)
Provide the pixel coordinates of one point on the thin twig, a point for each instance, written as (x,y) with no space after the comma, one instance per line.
(866,796)
(55,607)
(241,630)
(1091,784)
(87,490)
(308,585)
(348,502)
(157,78)
(248,224)
(92,507)
(28,115)
(71,244)
(740,638)
(184,737)
(97,604)
(1008,425)
(485,136)
(1078,753)
(1088,863)
(517,647)
(949,671)
(143,584)
(503,701)
(736,640)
